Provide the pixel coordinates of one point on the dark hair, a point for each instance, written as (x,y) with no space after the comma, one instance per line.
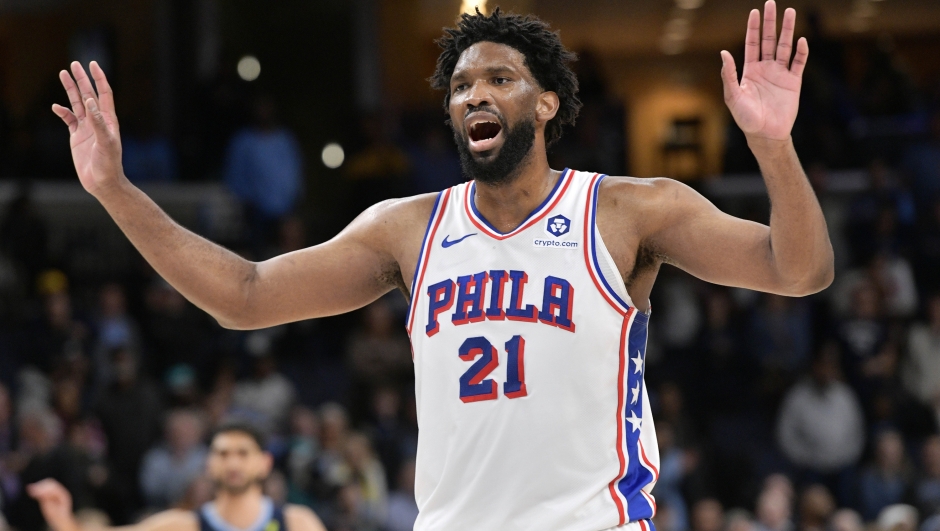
(544,54)
(240,427)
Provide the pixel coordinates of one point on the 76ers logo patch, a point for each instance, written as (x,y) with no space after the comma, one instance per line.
(558,226)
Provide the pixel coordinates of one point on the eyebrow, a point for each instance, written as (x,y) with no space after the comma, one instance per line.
(490,70)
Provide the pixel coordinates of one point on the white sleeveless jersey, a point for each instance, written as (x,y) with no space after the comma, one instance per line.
(529,363)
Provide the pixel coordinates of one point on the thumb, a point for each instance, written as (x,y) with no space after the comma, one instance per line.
(729,77)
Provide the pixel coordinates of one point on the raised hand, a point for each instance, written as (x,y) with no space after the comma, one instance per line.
(55,503)
(93,127)
(764,104)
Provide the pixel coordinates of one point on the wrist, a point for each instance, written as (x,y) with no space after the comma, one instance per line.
(761,145)
(114,187)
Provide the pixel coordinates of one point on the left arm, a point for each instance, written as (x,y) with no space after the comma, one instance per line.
(794,255)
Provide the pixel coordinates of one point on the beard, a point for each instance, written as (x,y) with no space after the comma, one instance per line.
(503,168)
(236,489)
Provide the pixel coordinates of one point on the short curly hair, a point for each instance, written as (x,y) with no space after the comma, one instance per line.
(545,57)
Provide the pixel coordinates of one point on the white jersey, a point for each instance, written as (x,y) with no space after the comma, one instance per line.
(529,364)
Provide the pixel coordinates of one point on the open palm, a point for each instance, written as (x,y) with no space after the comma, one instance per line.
(93,128)
(765,102)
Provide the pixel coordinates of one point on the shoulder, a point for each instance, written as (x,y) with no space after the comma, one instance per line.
(172,520)
(394,223)
(300,518)
(643,191)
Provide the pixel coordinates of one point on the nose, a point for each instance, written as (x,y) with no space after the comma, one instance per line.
(477,95)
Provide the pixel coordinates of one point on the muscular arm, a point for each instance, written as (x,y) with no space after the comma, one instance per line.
(349,271)
(791,257)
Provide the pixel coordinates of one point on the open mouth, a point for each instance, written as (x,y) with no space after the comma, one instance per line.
(484,131)
(484,135)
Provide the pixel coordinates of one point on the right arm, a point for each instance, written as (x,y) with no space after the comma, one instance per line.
(55,502)
(348,272)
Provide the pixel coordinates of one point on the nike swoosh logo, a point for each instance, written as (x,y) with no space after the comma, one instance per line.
(445,244)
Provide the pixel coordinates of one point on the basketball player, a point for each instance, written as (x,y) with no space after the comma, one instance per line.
(528,286)
(237,464)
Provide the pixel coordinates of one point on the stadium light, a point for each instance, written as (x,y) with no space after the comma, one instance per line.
(470,6)
(249,68)
(333,155)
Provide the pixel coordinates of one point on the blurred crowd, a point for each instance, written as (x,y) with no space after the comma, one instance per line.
(772,413)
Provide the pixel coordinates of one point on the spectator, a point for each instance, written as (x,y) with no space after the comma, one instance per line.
(868,358)
(402,508)
(921,369)
(129,409)
(773,511)
(329,472)
(264,169)
(707,515)
(304,446)
(780,334)
(267,393)
(168,469)
(174,330)
(816,508)
(377,354)
(115,329)
(926,492)
(897,517)
(820,427)
(885,481)
(739,520)
(388,433)
(673,466)
(846,520)
(365,471)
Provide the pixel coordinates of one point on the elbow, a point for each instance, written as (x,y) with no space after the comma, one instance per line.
(240,314)
(818,278)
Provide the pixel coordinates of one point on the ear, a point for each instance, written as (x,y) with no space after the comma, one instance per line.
(547,106)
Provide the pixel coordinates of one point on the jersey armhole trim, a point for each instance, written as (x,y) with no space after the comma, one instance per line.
(434,221)
(590,250)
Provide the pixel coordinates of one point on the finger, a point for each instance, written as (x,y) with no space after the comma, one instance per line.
(83,81)
(752,38)
(67,117)
(769,39)
(729,77)
(785,46)
(105,96)
(102,136)
(799,60)
(75,99)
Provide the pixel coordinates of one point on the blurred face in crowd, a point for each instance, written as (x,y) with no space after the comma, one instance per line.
(773,509)
(493,102)
(846,520)
(932,456)
(708,515)
(112,300)
(816,505)
(183,431)
(236,463)
(890,451)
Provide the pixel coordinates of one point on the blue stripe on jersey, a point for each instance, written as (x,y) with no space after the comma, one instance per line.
(638,476)
(473,206)
(418,264)
(593,244)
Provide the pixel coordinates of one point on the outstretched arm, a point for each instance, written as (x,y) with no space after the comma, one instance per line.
(348,272)
(794,255)
(55,502)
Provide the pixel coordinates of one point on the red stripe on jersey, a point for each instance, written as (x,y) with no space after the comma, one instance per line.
(623,464)
(422,262)
(646,460)
(587,249)
(490,233)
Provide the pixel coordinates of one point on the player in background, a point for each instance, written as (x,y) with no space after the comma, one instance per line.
(237,465)
(509,91)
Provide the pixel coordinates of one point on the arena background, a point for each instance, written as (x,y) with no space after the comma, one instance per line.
(773,413)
